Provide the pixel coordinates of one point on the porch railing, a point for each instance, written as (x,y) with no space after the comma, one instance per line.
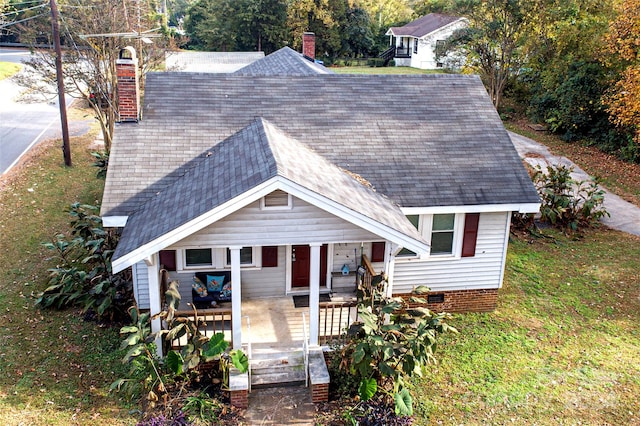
(368,274)
(403,52)
(212,321)
(305,350)
(249,348)
(335,319)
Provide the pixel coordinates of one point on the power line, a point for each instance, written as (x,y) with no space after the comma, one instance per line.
(15,12)
(22,20)
(24,2)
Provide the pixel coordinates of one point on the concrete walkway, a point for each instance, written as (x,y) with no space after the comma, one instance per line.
(624,215)
(281,406)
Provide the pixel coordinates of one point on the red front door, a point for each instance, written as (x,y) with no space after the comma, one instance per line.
(301,263)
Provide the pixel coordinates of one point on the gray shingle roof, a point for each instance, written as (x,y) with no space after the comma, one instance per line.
(422,140)
(246,159)
(423,25)
(215,62)
(285,61)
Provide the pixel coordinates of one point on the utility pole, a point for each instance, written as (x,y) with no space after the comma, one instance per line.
(66,149)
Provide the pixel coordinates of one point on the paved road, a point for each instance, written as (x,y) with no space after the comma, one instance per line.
(22,125)
(624,216)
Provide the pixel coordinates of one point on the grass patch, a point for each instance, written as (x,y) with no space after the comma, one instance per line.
(561,346)
(7,69)
(56,367)
(382,70)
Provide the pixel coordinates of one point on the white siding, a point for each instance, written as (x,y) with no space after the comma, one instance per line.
(484,270)
(141,284)
(254,227)
(426,56)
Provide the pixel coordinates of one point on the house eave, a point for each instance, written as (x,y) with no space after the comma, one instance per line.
(480,208)
(114,221)
(233,205)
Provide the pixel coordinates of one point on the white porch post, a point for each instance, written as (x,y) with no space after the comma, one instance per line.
(390,263)
(314,293)
(236,297)
(155,305)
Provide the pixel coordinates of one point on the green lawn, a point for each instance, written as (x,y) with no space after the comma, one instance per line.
(7,69)
(56,368)
(563,347)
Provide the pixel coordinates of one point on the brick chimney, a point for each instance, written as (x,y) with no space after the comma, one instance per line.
(309,45)
(128,87)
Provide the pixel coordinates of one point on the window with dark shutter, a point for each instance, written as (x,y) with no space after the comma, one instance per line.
(377,251)
(269,256)
(168,259)
(470,234)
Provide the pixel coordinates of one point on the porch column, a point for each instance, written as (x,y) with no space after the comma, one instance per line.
(390,264)
(155,305)
(314,293)
(236,297)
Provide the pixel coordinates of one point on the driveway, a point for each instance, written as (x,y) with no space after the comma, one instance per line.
(624,215)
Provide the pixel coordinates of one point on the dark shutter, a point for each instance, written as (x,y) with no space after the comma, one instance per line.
(168,259)
(470,234)
(269,256)
(377,251)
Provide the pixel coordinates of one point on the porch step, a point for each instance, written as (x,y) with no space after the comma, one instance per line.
(277,368)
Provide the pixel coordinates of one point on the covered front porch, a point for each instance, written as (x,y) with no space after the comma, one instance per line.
(276,324)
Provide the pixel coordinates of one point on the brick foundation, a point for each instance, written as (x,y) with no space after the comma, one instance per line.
(240,398)
(320,393)
(462,300)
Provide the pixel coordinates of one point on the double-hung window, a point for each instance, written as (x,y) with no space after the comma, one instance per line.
(198,257)
(449,235)
(246,256)
(442,233)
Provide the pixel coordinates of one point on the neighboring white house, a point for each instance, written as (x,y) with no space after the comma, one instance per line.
(281,183)
(418,43)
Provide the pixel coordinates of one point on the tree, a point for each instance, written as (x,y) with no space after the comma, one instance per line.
(261,24)
(564,76)
(494,41)
(92,48)
(236,25)
(623,41)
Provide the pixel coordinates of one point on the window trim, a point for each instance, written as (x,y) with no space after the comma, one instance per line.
(415,45)
(183,262)
(218,259)
(254,258)
(289,206)
(425,226)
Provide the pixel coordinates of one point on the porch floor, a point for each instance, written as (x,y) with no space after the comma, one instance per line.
(276,325)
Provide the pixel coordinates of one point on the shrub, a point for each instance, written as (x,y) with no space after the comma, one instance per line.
(566,203)
(102,163)
(393,340)
(83,275)
(152,377)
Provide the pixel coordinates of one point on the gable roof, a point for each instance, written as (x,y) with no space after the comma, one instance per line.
(421,140)
(423,25)
(285,61)
(254,156)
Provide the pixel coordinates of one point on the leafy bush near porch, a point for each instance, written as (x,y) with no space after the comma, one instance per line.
(180,383)
(567,204)
(395,339)
(82,276)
